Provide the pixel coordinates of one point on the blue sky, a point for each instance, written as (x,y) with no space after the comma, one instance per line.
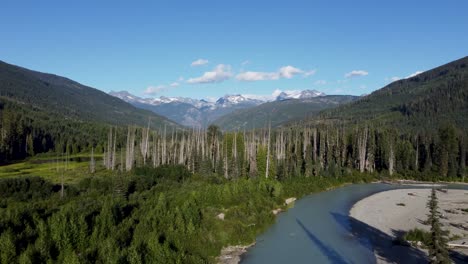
(246,47)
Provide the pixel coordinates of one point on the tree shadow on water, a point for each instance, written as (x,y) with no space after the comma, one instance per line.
(457,257)
(328,251)
(381,243)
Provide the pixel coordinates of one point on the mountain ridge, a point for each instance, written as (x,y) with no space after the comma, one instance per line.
(422,102)
(200,112)
(63,96)
(279,112)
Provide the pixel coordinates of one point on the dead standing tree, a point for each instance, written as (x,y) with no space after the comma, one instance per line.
(391,159)
(362,148)
(130,149)
(144,144)
(268,152)
(92,162)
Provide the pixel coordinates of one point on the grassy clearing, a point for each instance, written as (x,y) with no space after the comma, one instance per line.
(47,167)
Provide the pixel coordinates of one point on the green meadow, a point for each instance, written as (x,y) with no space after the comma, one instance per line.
(52,168)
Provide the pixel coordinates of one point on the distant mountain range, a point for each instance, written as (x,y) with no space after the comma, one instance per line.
(279,112)
(423,102)
(306,94)
(196,113)
(42,112)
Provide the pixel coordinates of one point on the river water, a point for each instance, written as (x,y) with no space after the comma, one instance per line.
(319,230)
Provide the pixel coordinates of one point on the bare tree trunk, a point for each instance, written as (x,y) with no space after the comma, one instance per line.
(416,159)
(92,162)
(253,156)
(108,154)
(268,152)
(130,150)
(462,150)
(314,156)
(155,150)
(165,161)
(174,149)
(362,147)
(226,168)
(121,167)
(181,151)
(391,160)
(144,145)
(343,147)
(306,138)
(113,151)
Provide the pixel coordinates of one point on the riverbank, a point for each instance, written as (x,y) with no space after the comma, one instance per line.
(233,254)
(421,183)
(297,189)
(397,211)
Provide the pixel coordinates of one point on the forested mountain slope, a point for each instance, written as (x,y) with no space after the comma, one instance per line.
(419,103)
(279,112)
(55,94)
(43,112)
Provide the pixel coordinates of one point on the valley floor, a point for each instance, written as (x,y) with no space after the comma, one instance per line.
(397,211)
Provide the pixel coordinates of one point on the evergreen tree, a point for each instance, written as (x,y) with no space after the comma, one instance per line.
(438,252)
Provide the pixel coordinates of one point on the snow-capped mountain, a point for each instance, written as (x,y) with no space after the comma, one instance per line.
(195,112)
(126,96)
(230,100)
(225,101)
(130,98)
(188,111)
(306,94)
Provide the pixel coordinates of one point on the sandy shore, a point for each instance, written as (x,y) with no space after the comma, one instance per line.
(232,254)
(393,212)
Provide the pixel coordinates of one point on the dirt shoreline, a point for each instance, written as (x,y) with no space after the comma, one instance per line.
(233,254)
(397,211)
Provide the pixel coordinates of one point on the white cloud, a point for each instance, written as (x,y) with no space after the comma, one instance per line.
(199,62)
(414,74)
(219,74)
(396,78)
(356,73)
(287,72)
(152,90)
(392,79)
(276,92)
(181,79)
(245,62)
(320,82)
(309,73)
(251,76)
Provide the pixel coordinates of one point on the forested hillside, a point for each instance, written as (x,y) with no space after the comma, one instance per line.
(279,112)
(421,103)
(54,94)
(42,112)
(156,193)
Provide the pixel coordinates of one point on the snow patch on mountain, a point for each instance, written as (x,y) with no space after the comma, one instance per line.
(296,94)
(229,100)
